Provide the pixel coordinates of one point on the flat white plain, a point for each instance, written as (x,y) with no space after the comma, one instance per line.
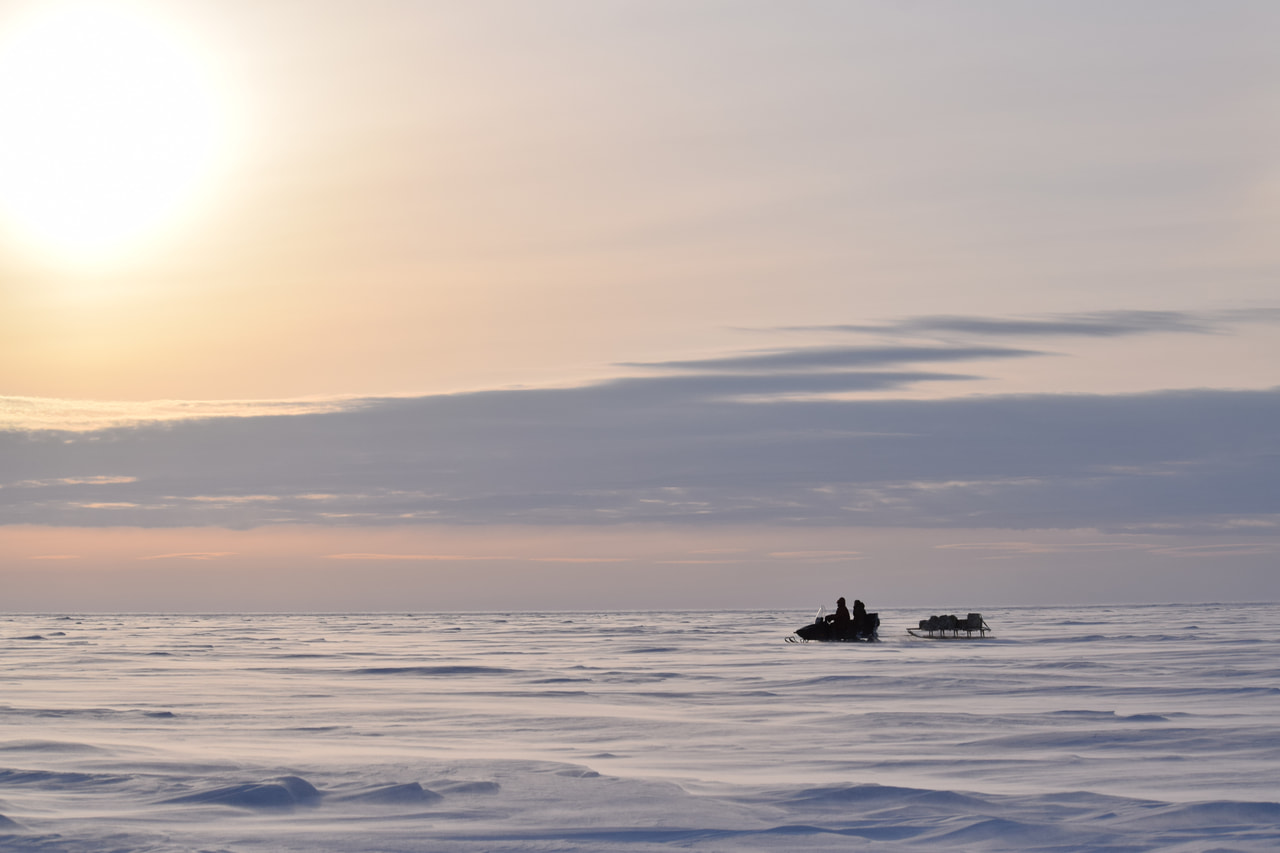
(1104,728)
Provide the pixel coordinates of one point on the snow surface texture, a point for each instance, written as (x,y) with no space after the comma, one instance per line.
(1092,729)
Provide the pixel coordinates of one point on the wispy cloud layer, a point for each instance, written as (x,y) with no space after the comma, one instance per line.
(659,450)
(1096,324)
(190,555)
(24,413)
(821,358)
(776,437)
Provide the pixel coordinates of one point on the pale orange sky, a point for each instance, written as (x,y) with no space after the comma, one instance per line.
(429,197)
(1074,200)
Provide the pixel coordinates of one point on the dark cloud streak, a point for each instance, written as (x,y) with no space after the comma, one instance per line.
(836,357)
(1097,324)
(678,450)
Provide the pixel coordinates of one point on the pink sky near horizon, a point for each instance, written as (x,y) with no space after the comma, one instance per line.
(415,569)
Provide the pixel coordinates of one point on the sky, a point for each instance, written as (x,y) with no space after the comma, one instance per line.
(625,305)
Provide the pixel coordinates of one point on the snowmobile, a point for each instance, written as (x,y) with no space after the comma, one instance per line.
(825,631)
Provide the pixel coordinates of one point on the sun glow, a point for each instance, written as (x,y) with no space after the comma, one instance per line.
(110,129)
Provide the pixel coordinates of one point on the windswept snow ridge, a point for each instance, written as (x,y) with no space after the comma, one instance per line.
(1096,729)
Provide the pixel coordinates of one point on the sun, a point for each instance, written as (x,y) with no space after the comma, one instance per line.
(111,127)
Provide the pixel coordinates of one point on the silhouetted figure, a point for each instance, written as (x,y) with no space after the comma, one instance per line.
(840,619)
(860,621)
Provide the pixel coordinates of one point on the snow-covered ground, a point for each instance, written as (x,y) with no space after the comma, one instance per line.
(1105,728)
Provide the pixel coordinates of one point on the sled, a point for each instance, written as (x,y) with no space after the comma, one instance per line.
(972,627)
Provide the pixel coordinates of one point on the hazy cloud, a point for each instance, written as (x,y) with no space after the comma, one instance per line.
(24,413)
(1228,549)
(1098,324)
(720,385)
(817,556)
(678,452)
(71,481)
(412,557)
(191,555)
(839,357)
(1004,550)
(1012,550)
